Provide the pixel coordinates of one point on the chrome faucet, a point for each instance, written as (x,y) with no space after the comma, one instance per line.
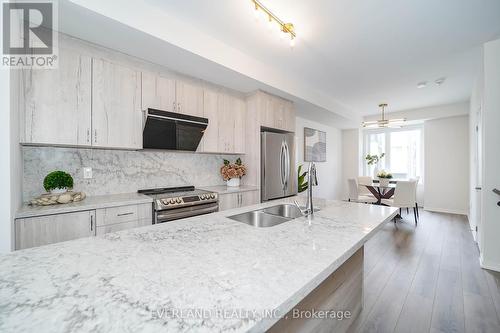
(312,180)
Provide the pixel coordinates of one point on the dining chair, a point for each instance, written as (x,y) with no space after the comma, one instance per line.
(354,195)
(362,181)
(404,197)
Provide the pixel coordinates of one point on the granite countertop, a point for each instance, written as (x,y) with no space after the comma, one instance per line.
(203,274)
(91,202)
(223,189)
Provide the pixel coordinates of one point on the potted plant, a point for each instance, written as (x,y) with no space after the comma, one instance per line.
(302,182)
(384,178)
(232,172)
(374,160)
(58,182)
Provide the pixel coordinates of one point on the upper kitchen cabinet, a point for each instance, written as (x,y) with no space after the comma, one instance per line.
(239,125)
(212,101)
(276,112)
(55,105)
(116,106)
(189,97)
(158,92)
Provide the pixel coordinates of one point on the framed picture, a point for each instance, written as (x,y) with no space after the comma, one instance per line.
(314,145)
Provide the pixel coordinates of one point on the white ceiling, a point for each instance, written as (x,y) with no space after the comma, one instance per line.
(359,52)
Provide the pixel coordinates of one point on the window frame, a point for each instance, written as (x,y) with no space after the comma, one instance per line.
(387,149)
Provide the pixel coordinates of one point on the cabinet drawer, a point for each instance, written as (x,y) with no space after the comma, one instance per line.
(113,215)
(101,230)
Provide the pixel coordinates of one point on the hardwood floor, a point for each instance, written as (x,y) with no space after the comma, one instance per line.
(427,279)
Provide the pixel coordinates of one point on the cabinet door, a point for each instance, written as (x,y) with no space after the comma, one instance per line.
(226,124)
(158,92)
(267,114)
(212,102)
(116,106)
(56,103)
(228,201)
(101,230)
(37,231)
(189,98)
(278,110)
(249,198)
(239,126)
(289,117)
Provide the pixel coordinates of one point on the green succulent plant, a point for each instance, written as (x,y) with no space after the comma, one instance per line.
(57,179)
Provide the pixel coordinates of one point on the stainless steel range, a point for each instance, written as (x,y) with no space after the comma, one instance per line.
(173,203)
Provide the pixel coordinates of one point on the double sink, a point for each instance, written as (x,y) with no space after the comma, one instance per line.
(269,217)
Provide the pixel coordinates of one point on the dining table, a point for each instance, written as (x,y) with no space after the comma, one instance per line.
(381,191)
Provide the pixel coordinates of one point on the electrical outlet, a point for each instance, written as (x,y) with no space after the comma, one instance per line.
(87,173)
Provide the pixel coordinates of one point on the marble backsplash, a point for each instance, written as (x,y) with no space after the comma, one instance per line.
(119,171)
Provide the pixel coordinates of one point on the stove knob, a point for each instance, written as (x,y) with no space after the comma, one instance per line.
(164,201)
(202,197)
(171,201)
(212,196)
(178,200)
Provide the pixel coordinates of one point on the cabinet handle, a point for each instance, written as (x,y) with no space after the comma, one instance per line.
(175,106)
(179,107)
(125,214)
(88,135)
(91,222)
(95,136)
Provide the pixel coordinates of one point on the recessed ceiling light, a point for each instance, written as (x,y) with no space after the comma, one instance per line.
(440,81)
(421,85)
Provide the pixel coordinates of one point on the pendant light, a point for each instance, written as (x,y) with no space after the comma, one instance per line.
(382,123)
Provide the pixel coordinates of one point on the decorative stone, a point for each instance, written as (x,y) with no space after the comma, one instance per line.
(54,199)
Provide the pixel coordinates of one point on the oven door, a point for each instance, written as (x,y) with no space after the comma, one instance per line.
(180,213)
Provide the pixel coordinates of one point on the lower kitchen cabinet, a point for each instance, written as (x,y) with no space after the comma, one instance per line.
(48,229)
(43,230)
(123,217)
(238,199)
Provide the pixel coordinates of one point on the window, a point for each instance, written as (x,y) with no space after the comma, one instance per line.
(402,148)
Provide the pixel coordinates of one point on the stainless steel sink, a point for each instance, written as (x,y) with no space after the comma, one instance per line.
(285,210)
(258,218)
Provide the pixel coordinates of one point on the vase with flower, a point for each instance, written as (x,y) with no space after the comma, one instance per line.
(232,172)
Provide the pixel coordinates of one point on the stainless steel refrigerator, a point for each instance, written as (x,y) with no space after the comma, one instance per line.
(278,176)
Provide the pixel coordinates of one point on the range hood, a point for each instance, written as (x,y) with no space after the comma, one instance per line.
(172,131)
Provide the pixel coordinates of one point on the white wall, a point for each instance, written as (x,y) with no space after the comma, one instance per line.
(446,154)
(351,157)
(330,172)
(490,211)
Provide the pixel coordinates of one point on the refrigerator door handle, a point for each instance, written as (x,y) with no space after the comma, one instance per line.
(282,166)
(287,166)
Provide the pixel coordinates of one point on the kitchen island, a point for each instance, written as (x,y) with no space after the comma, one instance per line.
(201,274)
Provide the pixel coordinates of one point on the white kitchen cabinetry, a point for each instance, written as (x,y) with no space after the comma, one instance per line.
(189,98)
(123,217)
(212,101)
(43,230)
(158,92)
(231,120)
(239,125)
(55,105)
(116,106)
(48,229)
(276,112)
(238,199)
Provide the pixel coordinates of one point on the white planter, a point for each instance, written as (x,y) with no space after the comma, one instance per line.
(233,182)
(59,190)
(384,182)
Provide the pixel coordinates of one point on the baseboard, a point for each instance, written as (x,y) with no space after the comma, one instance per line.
(489,265)
(445,210)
